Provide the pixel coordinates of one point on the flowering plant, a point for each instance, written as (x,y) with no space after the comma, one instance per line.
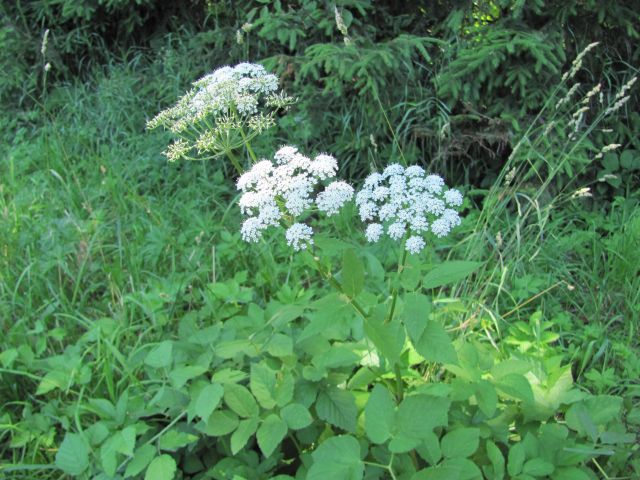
(224,111)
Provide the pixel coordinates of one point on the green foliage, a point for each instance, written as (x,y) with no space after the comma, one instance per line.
(140,340)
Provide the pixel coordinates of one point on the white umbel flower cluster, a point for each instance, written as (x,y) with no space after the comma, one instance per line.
(244,96)
(284,189)
(407,202)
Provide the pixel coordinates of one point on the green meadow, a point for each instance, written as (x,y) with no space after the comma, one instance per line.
(149,330)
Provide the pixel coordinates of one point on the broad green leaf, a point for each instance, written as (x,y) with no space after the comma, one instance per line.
(331,245)
(232,348)
(73,455)
(515,459)
(388,338)
(280,345)
(174,440)
(430,448)
(462,442)
(263,383)
(141,458)
(127,441)
(52,380)
(585,416)
(411,419)
(296,415)
(449,272)
(379,414)
(403,444)
(451,469)
(161,356)
(285,385)
(270,433)
(108,454)
(208,400)
(417,308)
(434,345)
(538,468)
(337,407)
(497,460)
(220,423)
(243,433)
(411,273)
(516,386)
(161,468)
(182,375)
(240,400)
(337,458)
(352,273)
(337,356)
(487,398)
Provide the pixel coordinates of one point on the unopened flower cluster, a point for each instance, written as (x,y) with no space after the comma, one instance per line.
(231,98)
(279,191)
(407,203)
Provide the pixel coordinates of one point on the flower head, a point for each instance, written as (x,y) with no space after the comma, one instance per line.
(407,203)
(227,98)
(284,189)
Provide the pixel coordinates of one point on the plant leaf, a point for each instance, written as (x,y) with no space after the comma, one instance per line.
(338,407)
(296,415)
(73,454)
(161,468)
(352,273)
(337,458)
(462,442)
(379,414)
(270,434)
(240,400)
(208,400)
(449,272)
(161,356)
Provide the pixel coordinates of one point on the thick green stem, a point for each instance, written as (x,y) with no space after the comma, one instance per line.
(248,145)
(235,162)
(394,298)
(394,294)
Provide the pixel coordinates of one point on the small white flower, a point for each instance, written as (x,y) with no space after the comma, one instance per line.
(374,232)
(414,171)
(393,169)
(333,198)
(418,224)
(368,211)
(396,230)
(285,154)
(380,193)
(251,230)
(299,236)
(452,217)
(440,227)
(414,244)
(434,183)
(324,166)
(453,197)
(373,180)
(387,211)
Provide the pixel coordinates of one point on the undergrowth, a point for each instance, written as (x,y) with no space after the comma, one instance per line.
(140,334)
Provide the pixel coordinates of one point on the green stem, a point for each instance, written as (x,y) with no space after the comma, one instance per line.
(248,145)
(399,383)
(394,298)
(235,162)
(394,294)
(335,284)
